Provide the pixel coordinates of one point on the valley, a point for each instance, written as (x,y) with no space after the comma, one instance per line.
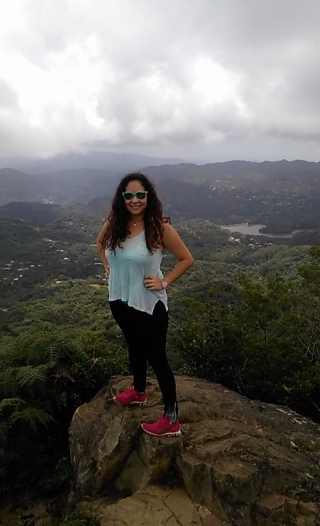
(246,315)
(283,196)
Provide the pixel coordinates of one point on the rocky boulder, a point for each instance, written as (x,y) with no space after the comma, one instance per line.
(238,462)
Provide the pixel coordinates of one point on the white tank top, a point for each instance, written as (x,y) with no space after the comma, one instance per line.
(128,268)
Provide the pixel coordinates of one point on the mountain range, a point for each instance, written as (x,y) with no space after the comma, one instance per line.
(96,160)
(282,195)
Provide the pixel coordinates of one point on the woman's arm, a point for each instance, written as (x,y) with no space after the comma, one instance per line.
(101,250)
(172,242)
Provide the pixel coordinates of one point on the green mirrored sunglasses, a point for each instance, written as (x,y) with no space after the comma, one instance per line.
(130,195)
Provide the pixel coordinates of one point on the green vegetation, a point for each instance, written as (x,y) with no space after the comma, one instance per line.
(263,342)
(282,195)
(246,316)
(45,375)
(84,517)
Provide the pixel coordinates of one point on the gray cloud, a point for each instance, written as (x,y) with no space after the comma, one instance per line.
(200,80)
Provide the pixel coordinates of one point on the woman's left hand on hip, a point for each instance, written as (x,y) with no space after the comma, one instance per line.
(153,283)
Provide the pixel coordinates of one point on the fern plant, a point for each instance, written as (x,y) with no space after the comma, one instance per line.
(44,377)
(10,402)
(85,517)
(32,416)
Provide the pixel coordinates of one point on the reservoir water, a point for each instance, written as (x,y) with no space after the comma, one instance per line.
(254,230)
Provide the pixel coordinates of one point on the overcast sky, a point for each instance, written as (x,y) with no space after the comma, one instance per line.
(202,80)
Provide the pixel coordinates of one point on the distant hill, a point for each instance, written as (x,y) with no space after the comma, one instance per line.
(282,195)
(80,185)
(118,163)
(80,217)
(34,212)
(67,186)
(83,184)
(240,172)
(70,178)
(19,186)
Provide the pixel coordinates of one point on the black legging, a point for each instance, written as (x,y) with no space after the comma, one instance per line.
(146,336)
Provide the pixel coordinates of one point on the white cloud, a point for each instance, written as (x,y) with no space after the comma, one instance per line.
(220,79)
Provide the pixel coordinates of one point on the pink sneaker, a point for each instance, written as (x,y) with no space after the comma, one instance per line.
(130,397)
(162,428)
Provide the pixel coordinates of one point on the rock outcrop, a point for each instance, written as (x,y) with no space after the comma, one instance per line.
(237,462)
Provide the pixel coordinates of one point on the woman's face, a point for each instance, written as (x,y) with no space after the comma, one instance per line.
(135,205)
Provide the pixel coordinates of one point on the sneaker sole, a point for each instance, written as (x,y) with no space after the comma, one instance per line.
(131,403)
(174,434)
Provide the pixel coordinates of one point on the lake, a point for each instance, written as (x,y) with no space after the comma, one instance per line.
(254,230)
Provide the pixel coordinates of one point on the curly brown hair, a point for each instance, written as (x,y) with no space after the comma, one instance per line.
(117,230)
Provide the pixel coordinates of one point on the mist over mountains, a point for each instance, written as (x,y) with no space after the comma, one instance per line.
(69,178)
(95,160)
(282,195)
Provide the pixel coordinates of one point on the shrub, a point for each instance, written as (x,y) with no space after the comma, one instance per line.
(44,376)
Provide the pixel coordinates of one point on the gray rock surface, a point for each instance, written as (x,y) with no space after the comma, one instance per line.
(237,462)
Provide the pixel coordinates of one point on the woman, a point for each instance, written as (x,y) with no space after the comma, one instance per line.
(131,245)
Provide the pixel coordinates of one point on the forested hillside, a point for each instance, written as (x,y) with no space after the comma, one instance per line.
(245,316)
(282,195)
